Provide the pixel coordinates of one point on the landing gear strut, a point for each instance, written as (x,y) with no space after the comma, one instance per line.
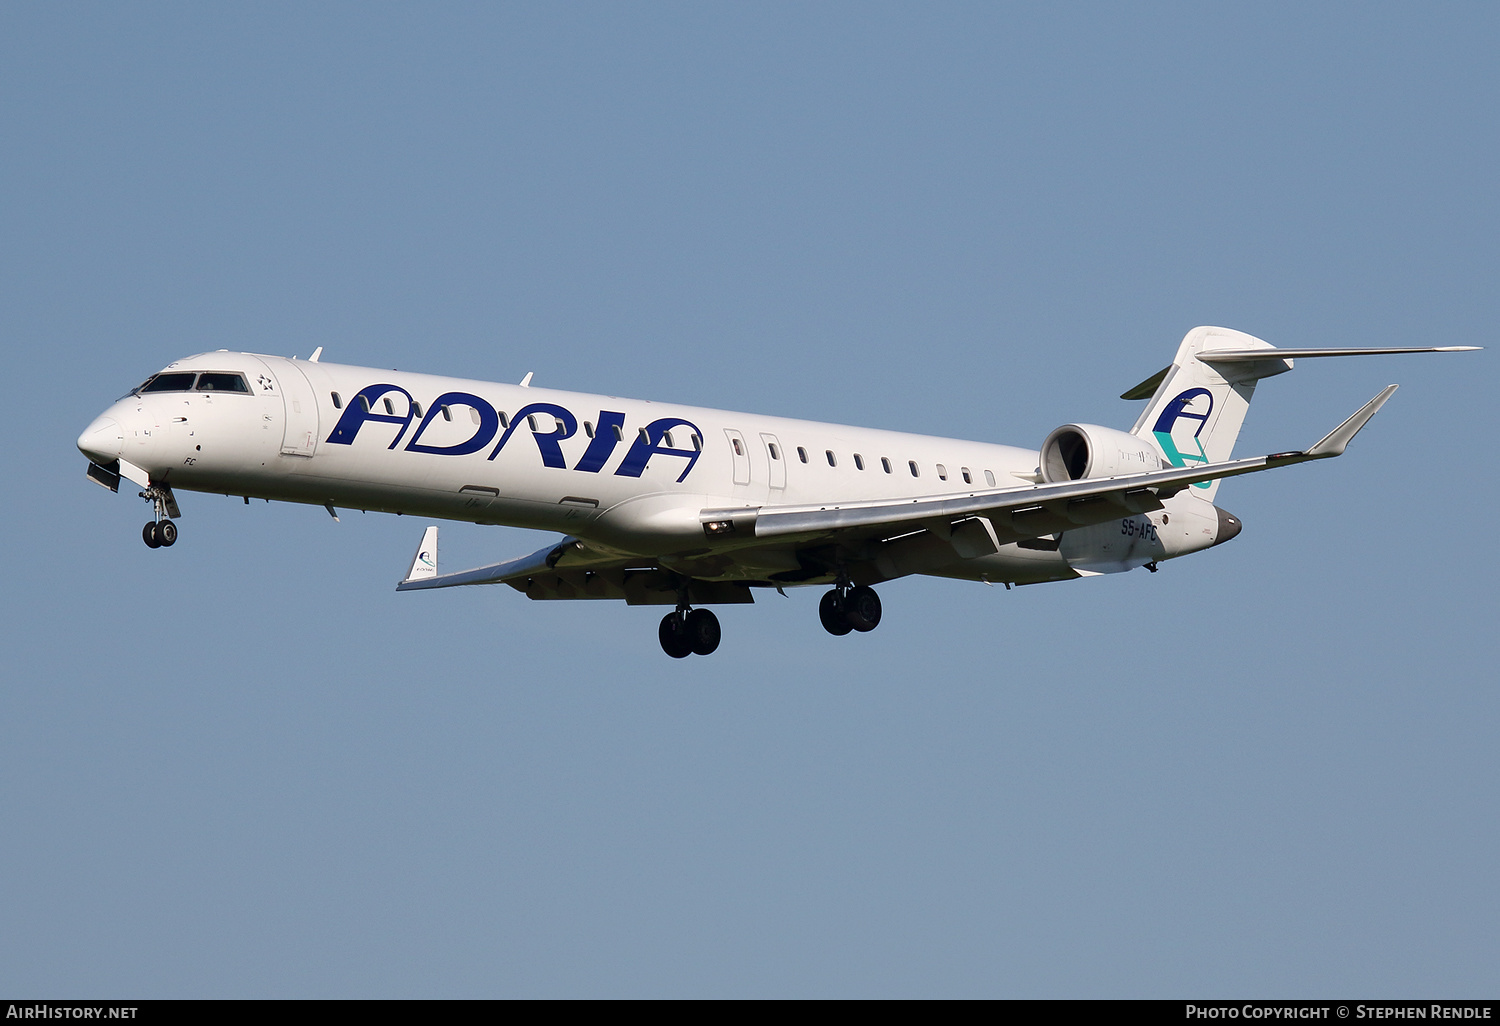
(846,609)
(688,632)
(161,532)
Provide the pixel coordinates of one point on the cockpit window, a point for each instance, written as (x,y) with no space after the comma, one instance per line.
(215,382)
(168,383)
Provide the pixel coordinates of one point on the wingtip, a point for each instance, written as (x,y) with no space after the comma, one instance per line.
(1336,441)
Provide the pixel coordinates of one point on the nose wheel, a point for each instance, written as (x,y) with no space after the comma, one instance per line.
(161,533)
(850,609)
(689,632)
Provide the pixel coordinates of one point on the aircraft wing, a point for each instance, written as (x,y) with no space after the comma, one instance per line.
(572,569)
(1010,514)
(975,523)
(568,554)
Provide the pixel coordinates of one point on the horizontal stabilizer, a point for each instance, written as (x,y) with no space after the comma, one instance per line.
(1146,389)
(1250,355)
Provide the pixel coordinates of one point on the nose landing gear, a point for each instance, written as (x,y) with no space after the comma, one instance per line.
(161,532)
(688,632)
(848,609)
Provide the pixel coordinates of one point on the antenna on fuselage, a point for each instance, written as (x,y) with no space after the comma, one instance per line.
(526,381)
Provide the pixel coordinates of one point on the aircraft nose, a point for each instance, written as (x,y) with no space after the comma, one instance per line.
(1229,526)
(102,441)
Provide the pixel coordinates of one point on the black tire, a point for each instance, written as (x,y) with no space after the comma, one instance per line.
(166,533)
(703,631)
(862,608)
(831,612)
(149,535)
(674,638)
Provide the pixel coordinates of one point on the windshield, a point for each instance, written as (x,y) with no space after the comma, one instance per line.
(168,383)
(182,381)
(222,383)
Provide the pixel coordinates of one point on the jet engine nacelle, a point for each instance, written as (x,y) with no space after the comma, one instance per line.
(1077,451)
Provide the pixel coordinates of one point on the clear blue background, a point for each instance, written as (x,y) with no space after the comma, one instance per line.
(247,767)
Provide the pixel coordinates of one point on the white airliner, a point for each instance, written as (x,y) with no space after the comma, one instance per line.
(687,507)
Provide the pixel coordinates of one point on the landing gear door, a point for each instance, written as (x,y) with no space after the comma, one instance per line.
(301,437)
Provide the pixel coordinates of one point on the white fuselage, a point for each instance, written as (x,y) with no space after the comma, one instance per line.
(625,474)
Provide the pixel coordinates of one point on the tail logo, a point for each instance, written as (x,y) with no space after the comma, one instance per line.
(1195,404)
(426,560)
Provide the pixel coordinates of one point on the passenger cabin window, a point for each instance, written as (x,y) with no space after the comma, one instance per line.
(989,478)
(504,420)
(942,472)
(885,464)
(223,383)
(474,416)
(364,403)
(168,383)
(859,462)
(738,449)
(447,413)
(390,408)
(416,409)
(775,452)
(697,442)
(338,404)
(965,472)
(831,461)
(619,432)
(588,428)
(913,465)
(666,436)
(802,454)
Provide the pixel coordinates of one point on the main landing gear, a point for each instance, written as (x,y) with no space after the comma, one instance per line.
(850,609)
(688,632)
(161,533)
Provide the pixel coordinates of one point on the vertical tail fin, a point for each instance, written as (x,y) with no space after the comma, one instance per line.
(1196,412)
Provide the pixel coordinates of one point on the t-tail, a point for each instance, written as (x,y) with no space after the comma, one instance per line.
(1196,411)
(1198,404)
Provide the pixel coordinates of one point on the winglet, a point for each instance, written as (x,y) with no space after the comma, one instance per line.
(424,563)
(1337,440)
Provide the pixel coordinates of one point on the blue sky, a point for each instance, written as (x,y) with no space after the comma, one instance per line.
(246,767)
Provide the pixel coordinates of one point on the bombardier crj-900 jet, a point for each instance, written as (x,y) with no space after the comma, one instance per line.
(686,507)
